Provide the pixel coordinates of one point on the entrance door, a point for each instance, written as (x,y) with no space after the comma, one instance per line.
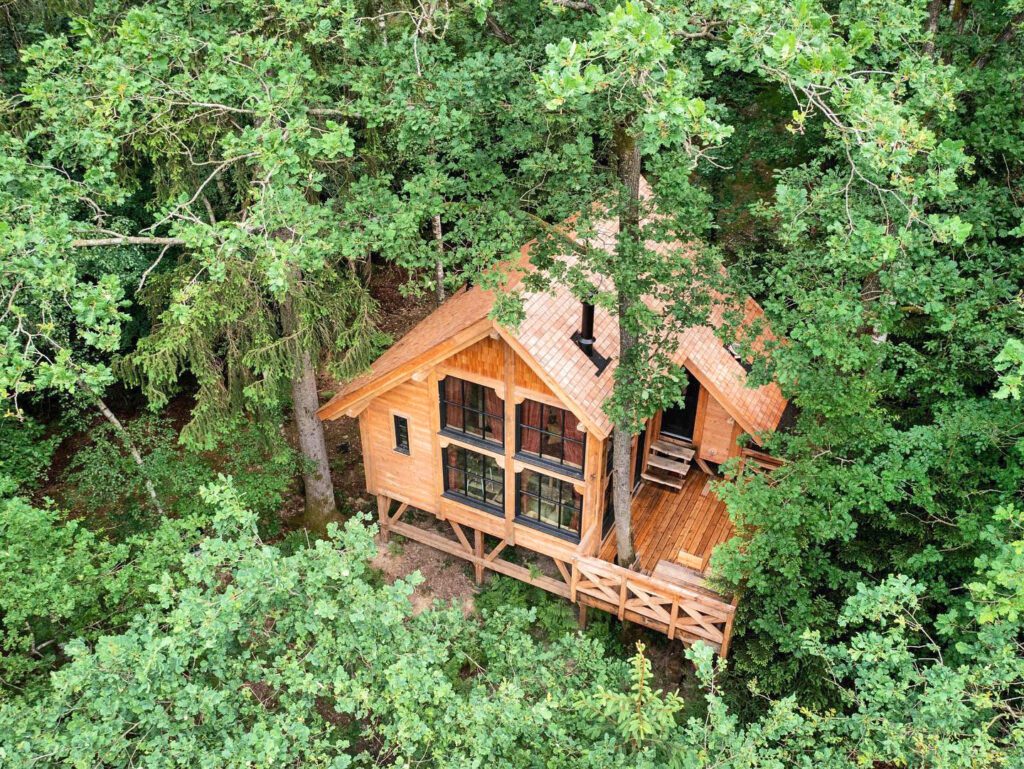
(678,422)
(638,466)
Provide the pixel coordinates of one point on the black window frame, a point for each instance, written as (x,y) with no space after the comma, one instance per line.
(401,443)
(462,495)
(573,535)
(482,413)
(540,460)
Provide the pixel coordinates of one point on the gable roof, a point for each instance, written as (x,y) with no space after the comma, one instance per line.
(544,340)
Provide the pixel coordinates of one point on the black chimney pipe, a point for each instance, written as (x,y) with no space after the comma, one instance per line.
(587,330)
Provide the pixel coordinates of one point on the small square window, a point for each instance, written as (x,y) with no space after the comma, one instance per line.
(401,434)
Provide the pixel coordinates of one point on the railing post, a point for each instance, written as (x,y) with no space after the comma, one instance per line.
(622,596)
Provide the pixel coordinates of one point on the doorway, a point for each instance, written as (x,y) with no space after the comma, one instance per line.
(638,464)
(678,421)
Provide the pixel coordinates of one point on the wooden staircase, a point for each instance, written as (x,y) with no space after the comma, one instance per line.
(668,463)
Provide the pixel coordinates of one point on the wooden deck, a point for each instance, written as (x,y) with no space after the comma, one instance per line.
(684,609)
(681,526)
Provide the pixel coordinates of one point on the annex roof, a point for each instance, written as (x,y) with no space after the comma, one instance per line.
(544,340)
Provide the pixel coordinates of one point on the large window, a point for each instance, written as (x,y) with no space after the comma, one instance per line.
(472,409)
(474,478)
(549,501)
(552,434)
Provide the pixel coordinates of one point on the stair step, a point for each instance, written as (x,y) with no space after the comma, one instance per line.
(673,450)
(679,468)
(671,481)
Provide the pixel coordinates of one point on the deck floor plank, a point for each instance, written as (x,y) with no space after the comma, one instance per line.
(666,521)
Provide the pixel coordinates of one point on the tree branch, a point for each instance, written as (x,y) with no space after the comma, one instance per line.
(498,31)
(1008,33)
(576,5)
(126,240)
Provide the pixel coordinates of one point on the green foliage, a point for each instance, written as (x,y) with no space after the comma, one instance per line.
(63,582)
(105,483)
(255,657)
(25,451)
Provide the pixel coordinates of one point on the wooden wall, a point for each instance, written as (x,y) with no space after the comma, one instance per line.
(715,431)
(417,478)
(410,478)
(486,358)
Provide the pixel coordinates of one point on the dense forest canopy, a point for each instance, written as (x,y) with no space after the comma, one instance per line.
(196,203)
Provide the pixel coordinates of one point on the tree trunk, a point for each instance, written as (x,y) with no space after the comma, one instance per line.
(934,10)
(126,441)
(439,264)
(1008,33)
(316,470)
(627,152)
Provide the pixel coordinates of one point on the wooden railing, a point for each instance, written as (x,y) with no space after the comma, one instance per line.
(689,615)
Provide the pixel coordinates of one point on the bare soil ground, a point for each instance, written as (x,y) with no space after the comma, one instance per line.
(445,578)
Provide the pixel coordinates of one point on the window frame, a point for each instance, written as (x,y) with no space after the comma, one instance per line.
(461,495)
(482,413)
(572,535)
(539,460)
(395,442)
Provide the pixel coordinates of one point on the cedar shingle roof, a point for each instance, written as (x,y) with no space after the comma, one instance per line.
(544,340)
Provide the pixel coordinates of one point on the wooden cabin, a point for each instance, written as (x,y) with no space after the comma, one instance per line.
(499,435)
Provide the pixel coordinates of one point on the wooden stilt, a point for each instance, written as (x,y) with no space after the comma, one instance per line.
(478,551)
(383,508)
(582,616)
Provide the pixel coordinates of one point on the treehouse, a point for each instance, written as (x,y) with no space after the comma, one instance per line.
(477,437)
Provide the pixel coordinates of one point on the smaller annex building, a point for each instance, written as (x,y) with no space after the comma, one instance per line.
(499,435)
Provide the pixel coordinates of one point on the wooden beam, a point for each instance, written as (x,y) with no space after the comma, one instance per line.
(478,555)
(375,386)
(383,508)
(498,565)
(511,429)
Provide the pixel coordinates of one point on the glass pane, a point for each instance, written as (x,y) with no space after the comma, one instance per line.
(453,389)
(549,512)
(474,424)
(495,493)
(451,456)
(474,396)
(495,428)
(494,405)
(528,506)
(551,447)
(453,416)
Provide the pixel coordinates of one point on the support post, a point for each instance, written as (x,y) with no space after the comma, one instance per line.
(478,551)
(582,616)
(383,508)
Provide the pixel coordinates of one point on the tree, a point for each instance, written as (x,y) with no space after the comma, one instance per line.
(258,657)
(887,261)
(219,119)
(641,91)
(63,311)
